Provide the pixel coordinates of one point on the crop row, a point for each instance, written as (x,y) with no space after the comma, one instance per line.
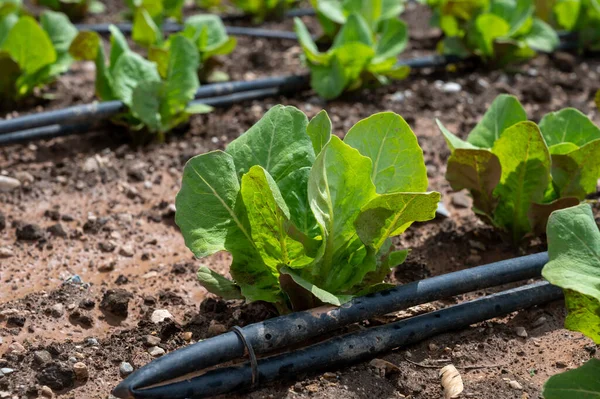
(364,39)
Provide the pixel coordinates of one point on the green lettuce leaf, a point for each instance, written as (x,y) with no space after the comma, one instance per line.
(217,284)
(278,142)
(574,253)
(576,173)
(525,162)
(568,126)
(339,186)
(319,130)
(581,383)
(398,163)
(504,112)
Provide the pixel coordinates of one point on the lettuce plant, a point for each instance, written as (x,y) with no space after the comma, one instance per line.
(148,17)
(208,34)
(74,9)
(357,55)
(499,31)
(32,54)
(263,9)
(581,16)
(156,97)
(332,14)
(517,172)
(574,266)
(306,216)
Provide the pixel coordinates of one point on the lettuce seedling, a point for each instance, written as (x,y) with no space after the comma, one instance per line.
(517,172)
(148,17)
(260,10)
(74,9)
(208,33)
(156,102)
(358,55)
(332,14)
(306,216)
(574,266)
(32,54)
(499,31)
(581,16)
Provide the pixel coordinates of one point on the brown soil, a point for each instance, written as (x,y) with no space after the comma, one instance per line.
(113,202)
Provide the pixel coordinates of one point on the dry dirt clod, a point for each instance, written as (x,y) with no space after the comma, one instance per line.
(30,232)
(6,252)
(116,302)
(451,381)
(57,376)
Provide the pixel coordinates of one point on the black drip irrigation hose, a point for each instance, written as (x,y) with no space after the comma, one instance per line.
(342,350)
(57,130)
(171,27)
(97,111)
(280,332)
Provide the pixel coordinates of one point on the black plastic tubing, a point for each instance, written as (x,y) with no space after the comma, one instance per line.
(350,348)
(106,109)
(297,327)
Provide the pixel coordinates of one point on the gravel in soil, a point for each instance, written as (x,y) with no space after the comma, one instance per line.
(90,254)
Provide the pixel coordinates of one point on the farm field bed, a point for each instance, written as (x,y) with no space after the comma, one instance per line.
(114,205)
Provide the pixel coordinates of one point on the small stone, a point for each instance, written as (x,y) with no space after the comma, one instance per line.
(107,266)
(461,200)
(477,245)
(384,368)
(42,357)
(127,250)
(6,252)
(451,87)
(90,165)
(151,340)
(156,351)
(540,322)
(46,391)
(215,328)
(521,332)
(106,246)
(159,315)
(151,274)
(515,385)
(6,371)
(433,347)
(8,184)
(16,347)
(24,177)
(81,371)
(561,365)
(30,232)
(187,336)
(125,369)
(57,310)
